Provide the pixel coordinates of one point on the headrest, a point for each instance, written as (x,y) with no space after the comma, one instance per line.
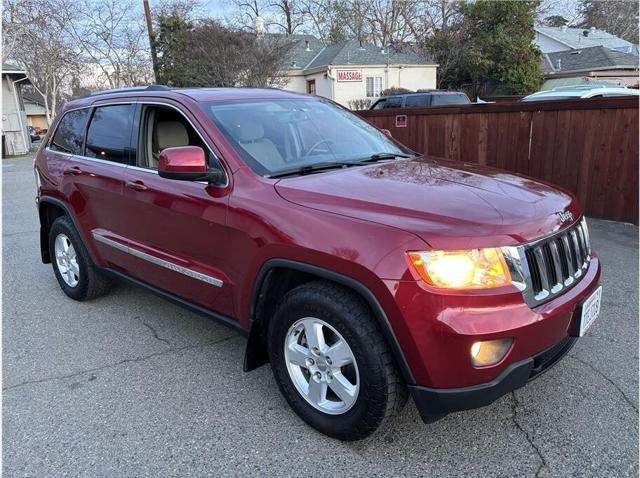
(170,134)
(248,130)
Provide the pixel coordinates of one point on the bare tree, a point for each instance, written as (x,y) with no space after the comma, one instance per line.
(111,37)
(38,43)
(289,15)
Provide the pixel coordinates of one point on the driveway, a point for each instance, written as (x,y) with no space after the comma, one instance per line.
(131,385)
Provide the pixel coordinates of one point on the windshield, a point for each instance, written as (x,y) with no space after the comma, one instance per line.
(277,135)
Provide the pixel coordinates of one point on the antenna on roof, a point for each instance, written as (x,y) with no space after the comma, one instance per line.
(360,47)
(306,45)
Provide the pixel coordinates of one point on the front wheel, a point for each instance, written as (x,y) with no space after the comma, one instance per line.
(331,362)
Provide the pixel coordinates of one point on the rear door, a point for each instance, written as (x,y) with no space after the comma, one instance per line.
(89,152)
(177,234)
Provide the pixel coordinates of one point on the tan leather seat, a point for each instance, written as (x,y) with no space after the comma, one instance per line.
(250,135)
(169,134)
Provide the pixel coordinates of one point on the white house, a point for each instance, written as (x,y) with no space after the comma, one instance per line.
(351,70)
(15,134)
(554,39)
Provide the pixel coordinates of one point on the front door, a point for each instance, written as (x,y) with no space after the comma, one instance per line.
(177,234)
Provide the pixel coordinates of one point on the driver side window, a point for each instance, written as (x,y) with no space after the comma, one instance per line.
(163,127)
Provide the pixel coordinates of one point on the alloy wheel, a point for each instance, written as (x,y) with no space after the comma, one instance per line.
(322,366)
(67,260)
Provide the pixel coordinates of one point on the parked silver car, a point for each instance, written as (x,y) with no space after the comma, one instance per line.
(576,92)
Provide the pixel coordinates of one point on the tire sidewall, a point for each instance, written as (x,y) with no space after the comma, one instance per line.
(371,403)
(62,225)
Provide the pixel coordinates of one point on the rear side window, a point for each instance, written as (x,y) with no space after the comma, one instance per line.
(109,133)
(393,102)
(70,132)
(455,99)
(416,101)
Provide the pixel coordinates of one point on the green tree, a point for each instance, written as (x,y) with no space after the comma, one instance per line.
(206,53)
(498,46)
(171,42)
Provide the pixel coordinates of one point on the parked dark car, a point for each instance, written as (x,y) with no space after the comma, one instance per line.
(361,271)
(422,100)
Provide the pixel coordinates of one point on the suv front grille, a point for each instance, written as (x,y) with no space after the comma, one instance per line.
(544,268)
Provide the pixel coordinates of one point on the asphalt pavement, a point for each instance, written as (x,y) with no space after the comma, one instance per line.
(131,385)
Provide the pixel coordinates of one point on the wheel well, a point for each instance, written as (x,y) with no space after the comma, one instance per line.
(280,279)
(48,213)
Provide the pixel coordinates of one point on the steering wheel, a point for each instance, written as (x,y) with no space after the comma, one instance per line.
(316,144)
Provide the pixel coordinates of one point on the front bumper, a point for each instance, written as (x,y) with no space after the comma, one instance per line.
(434,403)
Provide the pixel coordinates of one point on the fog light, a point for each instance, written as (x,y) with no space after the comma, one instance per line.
(489,352)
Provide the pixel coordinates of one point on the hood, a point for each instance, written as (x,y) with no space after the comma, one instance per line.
(447,204)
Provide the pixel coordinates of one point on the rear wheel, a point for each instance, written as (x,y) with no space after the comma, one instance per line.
(331,362)
(78,277)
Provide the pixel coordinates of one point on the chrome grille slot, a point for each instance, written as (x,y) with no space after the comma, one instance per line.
(552,264)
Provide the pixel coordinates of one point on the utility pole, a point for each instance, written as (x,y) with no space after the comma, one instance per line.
(152,40)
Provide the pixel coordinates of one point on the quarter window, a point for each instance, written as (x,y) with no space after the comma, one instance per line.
(374,86)
(70,132)
(109,133)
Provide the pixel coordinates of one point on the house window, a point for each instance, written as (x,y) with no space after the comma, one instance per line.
(374,86)
(311,87)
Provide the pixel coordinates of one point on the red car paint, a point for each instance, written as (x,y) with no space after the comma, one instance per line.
(358,222)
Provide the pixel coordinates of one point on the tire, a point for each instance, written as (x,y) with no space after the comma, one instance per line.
(85,282)
(379,391)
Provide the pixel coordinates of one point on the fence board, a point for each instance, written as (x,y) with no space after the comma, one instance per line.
(589,147)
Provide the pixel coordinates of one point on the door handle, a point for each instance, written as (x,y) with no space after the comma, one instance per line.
(72,171)
(136,185)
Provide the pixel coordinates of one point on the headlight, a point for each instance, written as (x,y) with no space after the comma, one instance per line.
(471,269)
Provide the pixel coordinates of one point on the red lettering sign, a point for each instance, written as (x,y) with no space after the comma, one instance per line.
(349,75)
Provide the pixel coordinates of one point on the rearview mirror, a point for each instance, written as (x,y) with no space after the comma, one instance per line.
(186,163)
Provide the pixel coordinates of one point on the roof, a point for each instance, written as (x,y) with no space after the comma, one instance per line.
(33,97)
(552,83)
(575,38)
(11,68)
(197,94)
(584,59)
(314,54)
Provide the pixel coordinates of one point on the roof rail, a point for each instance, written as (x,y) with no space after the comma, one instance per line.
(128,90)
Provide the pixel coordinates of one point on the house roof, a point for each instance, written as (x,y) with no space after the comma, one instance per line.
(584,59)
(575,38)
(33,97)
(314,54)
(10,68)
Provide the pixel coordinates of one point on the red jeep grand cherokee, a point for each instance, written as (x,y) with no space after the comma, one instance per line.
(361,271)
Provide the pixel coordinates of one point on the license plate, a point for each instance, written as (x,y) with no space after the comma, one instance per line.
(590,310)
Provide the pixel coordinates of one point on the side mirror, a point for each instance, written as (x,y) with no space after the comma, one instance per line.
(386,132)
(186,163)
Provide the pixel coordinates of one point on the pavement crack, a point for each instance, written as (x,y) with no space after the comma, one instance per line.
(155,334)
(603,375)
(116,364)
(514,418)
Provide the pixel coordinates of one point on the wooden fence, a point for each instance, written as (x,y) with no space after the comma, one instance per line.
(589,147)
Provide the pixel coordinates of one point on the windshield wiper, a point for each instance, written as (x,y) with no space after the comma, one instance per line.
(382,156)
(312,168)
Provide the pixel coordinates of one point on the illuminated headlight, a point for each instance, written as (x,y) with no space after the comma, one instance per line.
(489,352)
(468,269)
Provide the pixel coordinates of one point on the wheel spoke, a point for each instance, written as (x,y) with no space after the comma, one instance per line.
(315,335)
(74,268)
(340,354)
(343,388)
(317,391)
(297,354)
(59,245)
